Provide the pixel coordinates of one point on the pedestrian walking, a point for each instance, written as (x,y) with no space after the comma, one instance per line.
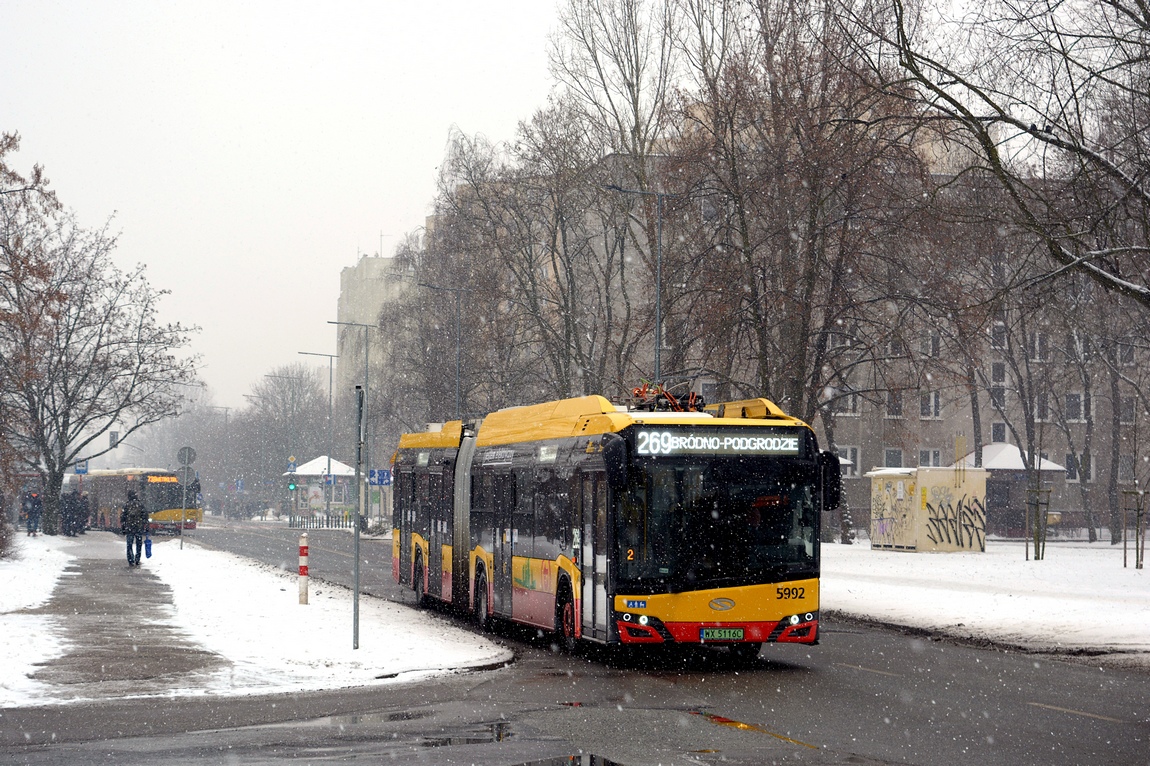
(33,508)
(134,523)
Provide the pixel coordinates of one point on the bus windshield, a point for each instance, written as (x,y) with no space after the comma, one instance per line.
(165,496)
(699,522)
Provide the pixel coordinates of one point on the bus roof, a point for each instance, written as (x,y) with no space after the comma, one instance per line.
(587,416)
(590,415)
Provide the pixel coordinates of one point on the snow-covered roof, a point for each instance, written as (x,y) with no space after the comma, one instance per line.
(318,467)
(1007,457)
(890,472)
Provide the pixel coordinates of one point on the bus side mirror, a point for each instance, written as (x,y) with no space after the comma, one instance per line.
(615,458)
(831,480)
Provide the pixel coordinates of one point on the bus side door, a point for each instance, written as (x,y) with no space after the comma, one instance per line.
(504,502)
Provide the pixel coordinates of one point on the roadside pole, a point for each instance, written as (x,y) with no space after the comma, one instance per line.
(186,456)
(359,475)
(303,574)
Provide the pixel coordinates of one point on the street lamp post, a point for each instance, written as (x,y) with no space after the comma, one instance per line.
(659,197)
(330,436)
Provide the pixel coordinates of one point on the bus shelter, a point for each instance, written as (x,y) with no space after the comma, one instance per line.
(315,487)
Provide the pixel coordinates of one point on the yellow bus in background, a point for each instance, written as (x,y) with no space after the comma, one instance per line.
(170,508)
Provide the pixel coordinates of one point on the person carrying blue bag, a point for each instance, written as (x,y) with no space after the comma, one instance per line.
(134,524)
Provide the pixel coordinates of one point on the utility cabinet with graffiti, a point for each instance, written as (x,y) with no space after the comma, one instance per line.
(928,509)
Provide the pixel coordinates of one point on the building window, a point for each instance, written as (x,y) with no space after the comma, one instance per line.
(894,404)
(1126,410)
(998,335)
(998,433)
(1126,352)
(892,457)
(998,397)
(1075,349)
(846,402)
(852,454)
(930,457)
(998,385)
(1126,469)
(1079,468)
(930,405)
(932,345)
(1041,407)
(1037,346)
(1077,408)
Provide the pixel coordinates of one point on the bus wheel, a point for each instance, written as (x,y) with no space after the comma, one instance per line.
(747,652)
(417,583)
(481,617)
(565,618)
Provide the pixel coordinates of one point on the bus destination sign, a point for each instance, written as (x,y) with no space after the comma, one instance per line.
(707,442)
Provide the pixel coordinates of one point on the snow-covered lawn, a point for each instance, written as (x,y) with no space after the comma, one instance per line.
(1078,598)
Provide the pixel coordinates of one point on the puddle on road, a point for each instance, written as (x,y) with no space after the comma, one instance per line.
(573,760)
(362,718)
(477,735)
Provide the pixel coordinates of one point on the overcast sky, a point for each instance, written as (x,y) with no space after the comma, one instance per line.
(248,151)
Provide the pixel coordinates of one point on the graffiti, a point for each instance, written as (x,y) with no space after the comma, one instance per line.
(890,524)
(960,523)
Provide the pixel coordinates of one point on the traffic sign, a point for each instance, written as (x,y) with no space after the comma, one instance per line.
(292,465)
(187,474)
(186,456)
(379,477)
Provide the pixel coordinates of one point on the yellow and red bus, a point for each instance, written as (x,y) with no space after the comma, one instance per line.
(169,507)
(616,525)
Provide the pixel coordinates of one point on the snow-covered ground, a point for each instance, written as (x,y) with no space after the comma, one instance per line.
(1080,599)
(248,613)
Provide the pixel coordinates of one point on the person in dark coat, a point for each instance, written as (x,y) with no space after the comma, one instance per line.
(69,513)
(34,507)
(134,523)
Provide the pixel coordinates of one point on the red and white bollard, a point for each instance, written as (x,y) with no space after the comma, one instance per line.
(303,568)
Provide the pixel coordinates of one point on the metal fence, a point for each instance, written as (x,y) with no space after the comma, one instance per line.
(341,521)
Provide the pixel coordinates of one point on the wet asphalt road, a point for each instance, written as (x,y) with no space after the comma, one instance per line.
(863,696)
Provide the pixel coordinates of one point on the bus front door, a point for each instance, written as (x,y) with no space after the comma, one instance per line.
(405,515)
(594,555)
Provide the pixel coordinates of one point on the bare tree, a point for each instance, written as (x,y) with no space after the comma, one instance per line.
(1051,99)
(803,220)
(24,271)
(98,361)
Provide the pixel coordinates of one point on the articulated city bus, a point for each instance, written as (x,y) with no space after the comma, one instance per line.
(169,507)
(615,525)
